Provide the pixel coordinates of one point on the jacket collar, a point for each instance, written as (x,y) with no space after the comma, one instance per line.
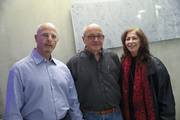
(151,66)
(92,55)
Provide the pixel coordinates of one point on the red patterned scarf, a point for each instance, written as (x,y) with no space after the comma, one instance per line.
(142,95)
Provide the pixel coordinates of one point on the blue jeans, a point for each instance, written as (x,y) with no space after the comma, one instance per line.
(95,116)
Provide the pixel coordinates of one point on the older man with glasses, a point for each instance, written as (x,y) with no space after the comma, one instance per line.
(97,75)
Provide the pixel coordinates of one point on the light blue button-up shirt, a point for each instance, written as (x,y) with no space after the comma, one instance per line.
(39,89)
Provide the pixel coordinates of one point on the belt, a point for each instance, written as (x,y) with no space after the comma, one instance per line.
(106,111)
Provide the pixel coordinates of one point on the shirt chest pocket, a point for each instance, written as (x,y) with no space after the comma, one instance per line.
(109,67)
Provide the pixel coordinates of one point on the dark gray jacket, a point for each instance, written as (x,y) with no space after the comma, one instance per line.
(97,82)
(162,90)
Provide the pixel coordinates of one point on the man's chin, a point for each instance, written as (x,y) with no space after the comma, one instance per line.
(49,51)
(96,50)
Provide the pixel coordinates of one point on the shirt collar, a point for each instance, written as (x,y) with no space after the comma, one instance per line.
(38,58)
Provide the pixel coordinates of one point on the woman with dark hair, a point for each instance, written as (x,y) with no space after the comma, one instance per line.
(146,87)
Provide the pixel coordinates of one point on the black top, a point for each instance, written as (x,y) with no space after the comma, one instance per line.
(97,82)
(131,84)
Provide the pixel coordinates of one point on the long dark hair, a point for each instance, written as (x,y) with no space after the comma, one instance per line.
(143,52)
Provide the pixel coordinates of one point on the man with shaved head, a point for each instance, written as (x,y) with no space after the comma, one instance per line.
(97,75)
(41,87)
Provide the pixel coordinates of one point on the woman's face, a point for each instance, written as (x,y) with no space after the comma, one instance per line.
(132,43)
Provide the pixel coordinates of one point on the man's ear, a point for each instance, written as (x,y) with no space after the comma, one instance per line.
(83,38)
(35,37)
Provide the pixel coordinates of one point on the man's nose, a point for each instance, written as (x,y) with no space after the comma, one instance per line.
(96,38)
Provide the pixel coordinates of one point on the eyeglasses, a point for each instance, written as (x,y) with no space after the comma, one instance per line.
(93,37)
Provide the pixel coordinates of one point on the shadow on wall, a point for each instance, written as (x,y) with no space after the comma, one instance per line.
(1,4)
(1,105)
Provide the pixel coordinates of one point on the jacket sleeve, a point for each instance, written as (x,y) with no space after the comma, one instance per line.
(72,65)
(166,102)
(74,111)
